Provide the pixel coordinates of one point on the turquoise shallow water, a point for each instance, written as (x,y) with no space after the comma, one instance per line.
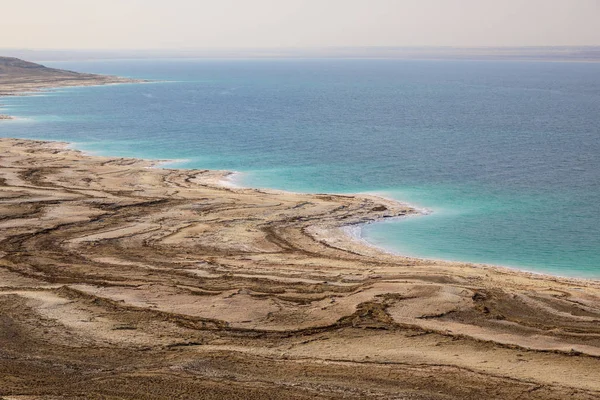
(506,155)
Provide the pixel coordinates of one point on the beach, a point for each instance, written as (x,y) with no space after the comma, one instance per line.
(119,279)
(123,279)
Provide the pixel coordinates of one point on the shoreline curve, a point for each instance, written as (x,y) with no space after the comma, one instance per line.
(175,283)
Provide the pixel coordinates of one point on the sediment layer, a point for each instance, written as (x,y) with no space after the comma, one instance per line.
(118,280)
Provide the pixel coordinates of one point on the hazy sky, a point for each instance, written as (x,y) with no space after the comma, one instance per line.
(147,24)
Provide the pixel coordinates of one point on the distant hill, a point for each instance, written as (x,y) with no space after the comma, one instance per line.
(19,76)
(17,68)
(539,53)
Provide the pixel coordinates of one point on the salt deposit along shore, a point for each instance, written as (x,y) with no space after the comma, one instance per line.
(121,280)
(118,280)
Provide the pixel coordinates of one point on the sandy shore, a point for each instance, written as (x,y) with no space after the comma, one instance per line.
(123,281)
(118,280)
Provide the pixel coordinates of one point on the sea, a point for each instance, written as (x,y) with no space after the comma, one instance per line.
(504,156)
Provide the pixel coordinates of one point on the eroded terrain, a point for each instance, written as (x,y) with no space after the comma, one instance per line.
(118,280)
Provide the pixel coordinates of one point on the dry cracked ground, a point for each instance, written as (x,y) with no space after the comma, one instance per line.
(123,281)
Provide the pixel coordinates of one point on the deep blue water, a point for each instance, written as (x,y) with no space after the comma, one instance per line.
(505,154)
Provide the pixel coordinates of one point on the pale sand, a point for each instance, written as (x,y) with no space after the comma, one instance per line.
(121,280)
(118,280)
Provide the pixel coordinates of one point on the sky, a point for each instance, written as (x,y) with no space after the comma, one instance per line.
(213,24)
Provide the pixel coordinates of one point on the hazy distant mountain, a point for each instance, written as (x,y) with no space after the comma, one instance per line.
(557,53)
(18,76)
(17,68)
